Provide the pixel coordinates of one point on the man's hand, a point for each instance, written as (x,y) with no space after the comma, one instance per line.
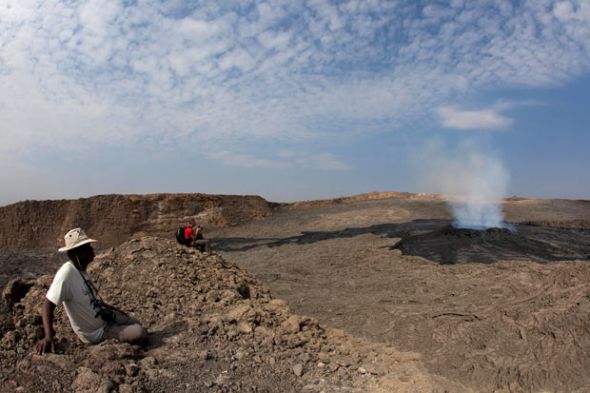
(45,345)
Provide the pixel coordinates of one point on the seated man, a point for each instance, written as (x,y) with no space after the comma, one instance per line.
(92,320)
(193,236)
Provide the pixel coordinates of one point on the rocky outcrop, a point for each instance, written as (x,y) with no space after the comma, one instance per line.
(115,218)
(213,328)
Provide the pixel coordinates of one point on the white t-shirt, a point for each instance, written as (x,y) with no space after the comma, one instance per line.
(69,288)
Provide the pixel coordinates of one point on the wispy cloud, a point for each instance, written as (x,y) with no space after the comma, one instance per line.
(483,119)
(322,161)
(245,160)
(230,75)
(284,159)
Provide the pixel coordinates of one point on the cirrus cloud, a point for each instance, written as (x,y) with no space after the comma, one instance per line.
(483,119)
(230,75)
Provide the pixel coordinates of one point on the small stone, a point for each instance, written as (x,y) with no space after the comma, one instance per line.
(23,364)
(222,379)
(9,340)
(305,358)
(238,312)
(131,369)
(298,369)
(292,324)
(276,306)
(262,331)
(324,357)
(343,361)
(244,327)
(240,355)
(148,362)
(204,329)
(125,388)
(89,381)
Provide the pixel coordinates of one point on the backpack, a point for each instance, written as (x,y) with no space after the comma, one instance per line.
(180,236)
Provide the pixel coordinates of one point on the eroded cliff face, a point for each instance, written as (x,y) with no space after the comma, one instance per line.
(113,219)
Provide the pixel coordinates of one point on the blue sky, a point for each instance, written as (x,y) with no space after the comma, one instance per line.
(294,100)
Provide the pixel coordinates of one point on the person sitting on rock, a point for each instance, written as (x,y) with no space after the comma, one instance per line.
(193,235)
(91,319)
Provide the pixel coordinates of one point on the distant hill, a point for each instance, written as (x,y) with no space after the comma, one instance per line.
(113,219)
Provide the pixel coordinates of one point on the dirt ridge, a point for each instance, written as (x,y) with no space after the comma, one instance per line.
(115,218)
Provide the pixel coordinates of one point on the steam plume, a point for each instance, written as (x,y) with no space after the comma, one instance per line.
(474,183)
(481,186)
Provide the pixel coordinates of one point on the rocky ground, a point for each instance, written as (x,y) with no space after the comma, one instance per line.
(366,304)
(213,328)
(519,322)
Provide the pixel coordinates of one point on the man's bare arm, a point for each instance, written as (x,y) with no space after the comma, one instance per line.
(46,344)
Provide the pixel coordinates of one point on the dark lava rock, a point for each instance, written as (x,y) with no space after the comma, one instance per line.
(450,245)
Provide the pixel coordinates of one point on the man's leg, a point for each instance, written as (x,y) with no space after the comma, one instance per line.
(122,319)
(125,329)
(202,245)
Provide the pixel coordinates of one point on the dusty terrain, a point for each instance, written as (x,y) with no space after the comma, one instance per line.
(418,307)
(520,323)
(213,328)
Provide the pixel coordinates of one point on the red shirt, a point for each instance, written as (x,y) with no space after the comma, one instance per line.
(188,233)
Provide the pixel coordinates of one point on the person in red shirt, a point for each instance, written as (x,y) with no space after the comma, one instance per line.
(189,232)
(193,235)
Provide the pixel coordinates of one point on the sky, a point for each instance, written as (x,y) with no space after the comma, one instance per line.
(294,100)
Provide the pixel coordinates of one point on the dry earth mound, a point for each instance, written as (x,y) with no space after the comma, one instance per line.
(213,327)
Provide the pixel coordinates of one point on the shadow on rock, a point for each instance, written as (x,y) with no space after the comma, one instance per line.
(159,338)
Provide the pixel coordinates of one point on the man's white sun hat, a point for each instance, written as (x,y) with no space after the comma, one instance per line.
(75,238)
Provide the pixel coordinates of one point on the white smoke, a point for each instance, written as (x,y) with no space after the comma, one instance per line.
(473,181)
(479,187)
